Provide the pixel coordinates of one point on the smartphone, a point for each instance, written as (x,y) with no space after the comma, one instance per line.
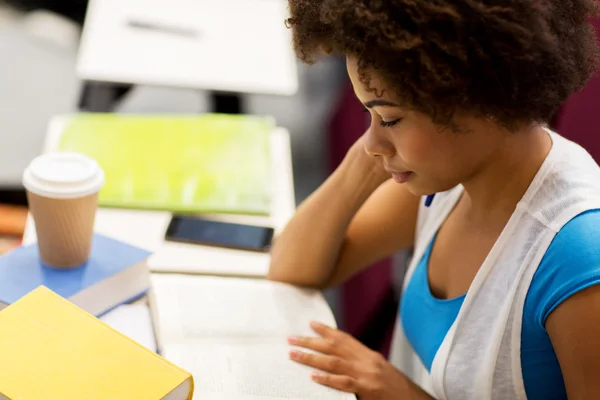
(222,234)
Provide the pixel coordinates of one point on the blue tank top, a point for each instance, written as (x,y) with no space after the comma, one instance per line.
(571,264)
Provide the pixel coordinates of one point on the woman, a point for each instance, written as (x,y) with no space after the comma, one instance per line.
(502,300)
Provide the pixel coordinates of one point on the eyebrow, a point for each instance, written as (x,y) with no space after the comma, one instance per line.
(380,103)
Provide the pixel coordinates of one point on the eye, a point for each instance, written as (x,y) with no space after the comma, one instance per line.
(387,124)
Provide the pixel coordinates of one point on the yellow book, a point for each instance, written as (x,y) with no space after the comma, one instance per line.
(53,350)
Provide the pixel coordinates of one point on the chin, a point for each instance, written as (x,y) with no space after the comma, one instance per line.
(421,187)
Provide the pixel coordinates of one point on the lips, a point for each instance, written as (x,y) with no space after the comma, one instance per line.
(401,177)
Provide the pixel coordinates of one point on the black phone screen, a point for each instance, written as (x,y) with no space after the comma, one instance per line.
(201,231)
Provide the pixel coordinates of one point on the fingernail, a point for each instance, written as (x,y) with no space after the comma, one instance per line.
(295,354)
(317,375)
(316,324)
(293,340)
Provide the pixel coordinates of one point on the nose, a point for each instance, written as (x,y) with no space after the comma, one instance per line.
(377,144)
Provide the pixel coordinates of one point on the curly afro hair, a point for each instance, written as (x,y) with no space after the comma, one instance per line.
(514,60)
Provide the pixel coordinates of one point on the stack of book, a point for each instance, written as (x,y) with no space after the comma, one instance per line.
(53,350)
(116,273)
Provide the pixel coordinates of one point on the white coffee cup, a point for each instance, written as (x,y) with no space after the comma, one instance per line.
(62,190)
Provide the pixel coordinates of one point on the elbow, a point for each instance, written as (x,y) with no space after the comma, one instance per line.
(277,272)
(283,270)
(274,276)
(282,276)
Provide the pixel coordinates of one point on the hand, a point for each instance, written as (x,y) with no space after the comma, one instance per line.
(347,365)
(362,164)
(358,152)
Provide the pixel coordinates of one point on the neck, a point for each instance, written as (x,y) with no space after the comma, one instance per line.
(494,191)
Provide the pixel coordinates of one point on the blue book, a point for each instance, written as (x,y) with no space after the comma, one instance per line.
(116,273)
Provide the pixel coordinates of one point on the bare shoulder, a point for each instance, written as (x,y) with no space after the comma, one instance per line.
(574,328)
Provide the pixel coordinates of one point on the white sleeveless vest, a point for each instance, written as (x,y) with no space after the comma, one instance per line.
(479,358)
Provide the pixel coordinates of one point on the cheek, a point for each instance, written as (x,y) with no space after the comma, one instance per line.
(435,157)
(419,149)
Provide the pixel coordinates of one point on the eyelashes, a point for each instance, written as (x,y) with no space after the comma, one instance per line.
(385,124)
(388,124)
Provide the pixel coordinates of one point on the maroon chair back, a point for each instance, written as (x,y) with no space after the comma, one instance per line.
(579,118)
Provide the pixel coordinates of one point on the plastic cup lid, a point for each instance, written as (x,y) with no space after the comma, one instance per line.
(63,176)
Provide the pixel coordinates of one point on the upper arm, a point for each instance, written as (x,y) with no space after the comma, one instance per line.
(385,224)
(570,306)
(574,329)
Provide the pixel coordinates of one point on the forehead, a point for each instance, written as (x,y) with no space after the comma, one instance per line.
(379,90)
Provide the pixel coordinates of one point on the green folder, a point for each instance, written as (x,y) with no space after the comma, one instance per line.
(204,163)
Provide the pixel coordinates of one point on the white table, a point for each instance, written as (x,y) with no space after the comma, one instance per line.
(225,45)
(146,229)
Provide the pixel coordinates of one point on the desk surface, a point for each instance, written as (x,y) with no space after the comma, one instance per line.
(147,229)
(140,321)
(224,45)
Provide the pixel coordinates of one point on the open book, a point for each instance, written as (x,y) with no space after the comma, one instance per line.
(231,334)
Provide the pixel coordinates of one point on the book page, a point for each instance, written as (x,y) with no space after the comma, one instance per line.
(194,307)
(231,334)
(248,370)
(133,321)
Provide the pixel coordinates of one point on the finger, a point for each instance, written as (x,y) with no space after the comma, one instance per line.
(324,330)
(341,343)
(340,382)
(333,364)
(313,343)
